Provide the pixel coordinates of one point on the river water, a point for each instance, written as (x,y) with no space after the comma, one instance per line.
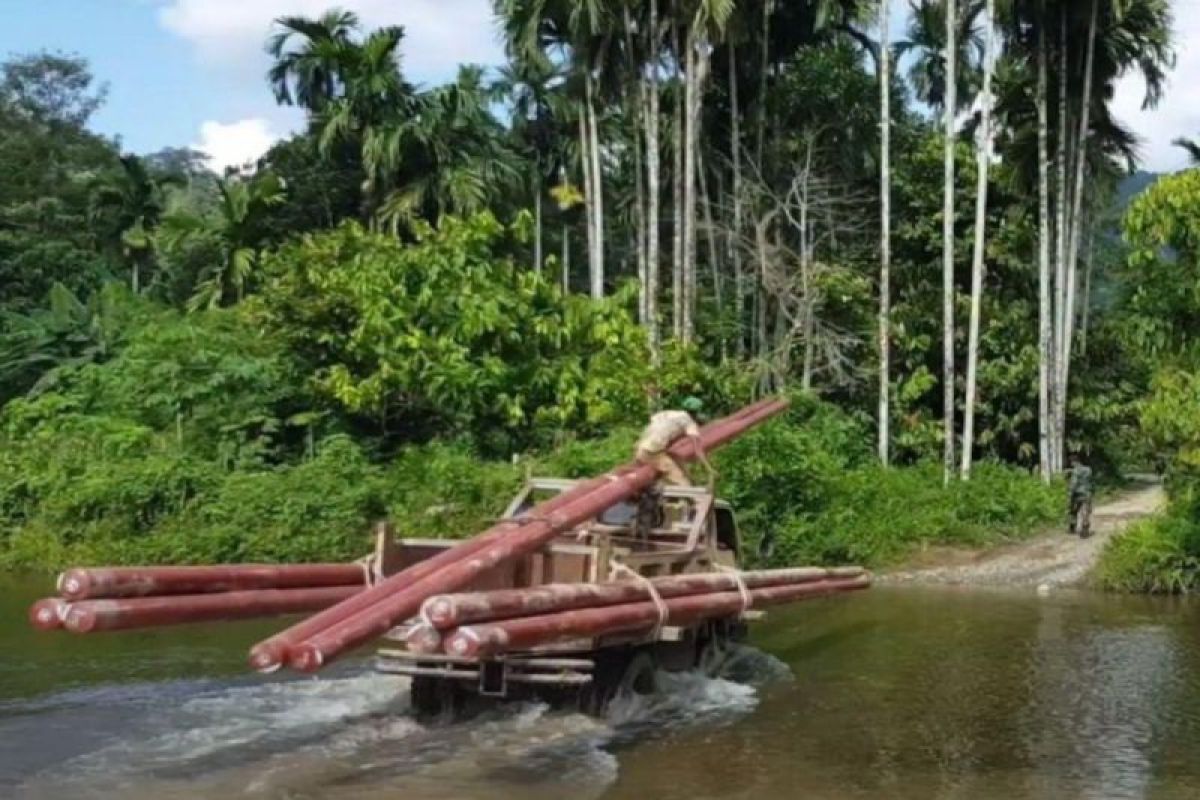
(898,692)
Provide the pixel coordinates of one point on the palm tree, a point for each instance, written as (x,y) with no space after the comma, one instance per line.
(374,94)
(311,75)
(527,87)
(706,27)
(951,54)
(984,148)
(1045,310)
(353,87)
(650,115)
(885,233)
(925,42)
(450,156)
(941,32)
(236,227)
(1116,37)
(130,205)
(1192,148)
(1040,136)
(585,36)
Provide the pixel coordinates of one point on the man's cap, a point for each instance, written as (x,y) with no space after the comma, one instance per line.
(692,404)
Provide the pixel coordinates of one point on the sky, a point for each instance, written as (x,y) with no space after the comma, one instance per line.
(191,72)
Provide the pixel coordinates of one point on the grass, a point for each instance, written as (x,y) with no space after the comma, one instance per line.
(877,517)
(1158,555)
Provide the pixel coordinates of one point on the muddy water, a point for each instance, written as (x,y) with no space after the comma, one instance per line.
(898,693)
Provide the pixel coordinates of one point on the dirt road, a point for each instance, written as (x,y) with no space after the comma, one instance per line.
(1052,560)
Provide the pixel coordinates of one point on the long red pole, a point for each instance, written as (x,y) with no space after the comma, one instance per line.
(94,582)
(494,638)
(88,616)
(47,614)
(520,537)
(452,610)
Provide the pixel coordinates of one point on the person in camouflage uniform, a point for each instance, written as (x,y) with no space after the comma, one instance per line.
(1079,494)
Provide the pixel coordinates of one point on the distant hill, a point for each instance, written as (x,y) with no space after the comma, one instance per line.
(1134,185)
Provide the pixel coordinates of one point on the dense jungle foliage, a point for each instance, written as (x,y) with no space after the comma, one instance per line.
(1162,227)
(430,292)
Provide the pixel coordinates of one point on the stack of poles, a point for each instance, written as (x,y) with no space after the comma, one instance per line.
(325,636)
(485,624)
(120,598)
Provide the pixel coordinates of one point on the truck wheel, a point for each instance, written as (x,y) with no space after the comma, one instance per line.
(641,676)
(619,675)
(434,697)
(711,656)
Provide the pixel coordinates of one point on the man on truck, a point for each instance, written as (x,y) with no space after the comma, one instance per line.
(664,429)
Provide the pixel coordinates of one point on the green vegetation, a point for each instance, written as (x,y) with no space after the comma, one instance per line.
(1163,229)
(385,315)
(810,486)
(1159,555)
(109,486)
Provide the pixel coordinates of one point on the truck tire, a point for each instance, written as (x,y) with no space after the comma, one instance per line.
(711,656)
(619,674)
(640,676)
(434,697)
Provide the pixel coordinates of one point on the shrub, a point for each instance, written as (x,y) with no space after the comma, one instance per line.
(104,489)
(85,476)
(447,336)
(875,516)
(445,490)
(1159,555)
(317,510)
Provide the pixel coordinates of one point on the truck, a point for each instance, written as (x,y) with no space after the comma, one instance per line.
(666,530)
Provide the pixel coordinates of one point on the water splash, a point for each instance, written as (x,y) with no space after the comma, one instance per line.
(351,738)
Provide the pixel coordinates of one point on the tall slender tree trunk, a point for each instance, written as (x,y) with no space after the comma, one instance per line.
(984,148)
(639,231)
(761,127)
(637,79)
(1089,266)
(1076,222)
(1045,332)
(1060,264)
(677,288)
(885,232)
(714,259)
(762,244)
(589,191)
(735,249)
(808,309)
(697,60)
(597,267)
(537,219)
(566,259)
(653,193)
(948,249)
(761,304)
(689,191)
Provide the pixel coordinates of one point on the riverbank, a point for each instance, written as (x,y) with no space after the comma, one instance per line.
(1052,559)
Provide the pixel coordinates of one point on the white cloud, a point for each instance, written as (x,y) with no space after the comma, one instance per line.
(1179,112)
(439,34)
(235,143)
